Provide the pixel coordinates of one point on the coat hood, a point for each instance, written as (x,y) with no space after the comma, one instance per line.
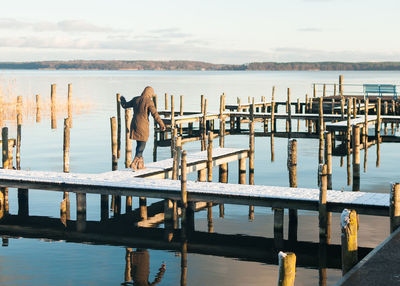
(148,92)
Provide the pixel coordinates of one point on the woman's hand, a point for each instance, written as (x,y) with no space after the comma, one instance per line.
(123,102)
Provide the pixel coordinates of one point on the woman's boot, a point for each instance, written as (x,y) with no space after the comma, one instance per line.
(134,164)
(140,163)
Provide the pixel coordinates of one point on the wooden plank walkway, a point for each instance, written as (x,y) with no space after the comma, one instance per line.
(114,183)
(342,125)
(195,162)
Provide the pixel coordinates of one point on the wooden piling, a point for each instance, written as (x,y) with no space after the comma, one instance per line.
(289,112)
(324,90)
(114,144)
(322,208)
(287,269)
(272,148)
(5,153)
(176,157)
(166,101)
(378,118)
(38,117)
(394,207)
(314,90)
(128,141)
(341,85)
(209,156)
(70,104)
(321,131)
(292,167)
(66,146)
(53,107)
(349,227)
(118,98)
(366,109)
(273,121)
(356,158)
(251,145)
(184,186)
(223,168)
(19,130)
(328,158)
(180,112)
(80,212)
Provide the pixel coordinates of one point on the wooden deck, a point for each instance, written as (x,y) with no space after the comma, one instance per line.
(342,125)
(117,183)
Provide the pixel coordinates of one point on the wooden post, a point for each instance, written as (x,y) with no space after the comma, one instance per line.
(356,158)
(323,214)
(209,156)
(176,157)
(251,145)
(70,104)
(394,207)
(104,202)
(366,109)
(53,107)
(118,98)
(273,122)
(272,148)
(66,146)
(223,168)
(287,269)
(38,117)
(5,154)
(18,151)
(180,112)
(321,131)
(242,171)
(184,187)
(341,85)
(378,119)
(354,107)
(342,107)
(172,124)
(334,89)
(80,212)
(292,167)
(314,90)
(328,158)
(166,101)
(128,141)
(349,227)
(289,112)
(114,157)
(324,90)
(19,105)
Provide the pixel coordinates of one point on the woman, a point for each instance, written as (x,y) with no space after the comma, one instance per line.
(139,131)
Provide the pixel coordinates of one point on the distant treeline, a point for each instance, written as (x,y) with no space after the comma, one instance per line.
(196,65)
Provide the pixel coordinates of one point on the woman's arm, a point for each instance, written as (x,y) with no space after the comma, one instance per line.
(126,104)
(155,115)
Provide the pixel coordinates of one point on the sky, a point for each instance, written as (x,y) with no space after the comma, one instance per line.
(216,31)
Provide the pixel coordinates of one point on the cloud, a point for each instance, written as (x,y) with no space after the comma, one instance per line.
(309,29)
(68,26)
(170,33)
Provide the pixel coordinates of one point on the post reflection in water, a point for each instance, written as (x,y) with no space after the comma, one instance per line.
(137,268)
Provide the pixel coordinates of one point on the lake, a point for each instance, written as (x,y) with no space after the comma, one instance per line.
(27,261)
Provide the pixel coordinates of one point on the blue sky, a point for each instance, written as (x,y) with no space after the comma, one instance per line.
(216,31)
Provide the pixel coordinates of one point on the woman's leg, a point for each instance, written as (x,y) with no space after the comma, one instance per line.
(140,145)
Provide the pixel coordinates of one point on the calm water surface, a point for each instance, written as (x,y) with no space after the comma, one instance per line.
(40,262)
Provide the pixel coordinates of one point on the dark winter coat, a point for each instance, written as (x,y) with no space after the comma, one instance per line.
(142,106)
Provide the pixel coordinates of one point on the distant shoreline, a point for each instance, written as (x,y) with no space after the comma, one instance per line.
(199,66)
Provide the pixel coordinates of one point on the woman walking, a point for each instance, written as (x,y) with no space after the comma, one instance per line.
(139,130)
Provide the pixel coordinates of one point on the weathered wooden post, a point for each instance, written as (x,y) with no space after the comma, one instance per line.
(356,158)
(66,146)
(128,265)
(342,107)
(209,156)
(38,117)
(289,113)
(173,127)
(349,226)
(181,112)
(354,107)
(18,151)
(251,153)
(69,98)
(287,269)
(53,107)
(184,187)
(314,90)
(292,167)
(394,207)
(118,98)
(116,200)
(114,144)
(341,85)
(80,212)
(165,101)
(273,121)
(328,158)
(323,214)
(204,131)
(128,141)
(321,131)
(223,168)
(23,195)
(5,154)
(324,90)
